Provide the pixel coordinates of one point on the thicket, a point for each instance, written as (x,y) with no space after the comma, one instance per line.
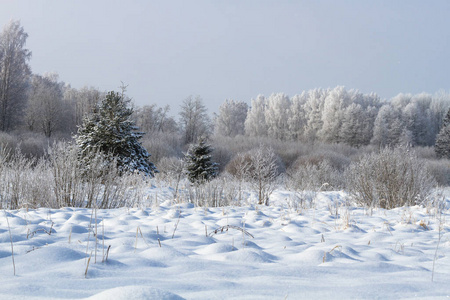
(390,178)
(58,180)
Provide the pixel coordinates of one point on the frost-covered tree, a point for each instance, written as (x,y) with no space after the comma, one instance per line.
(351,132)
(153,119)
(277,116)
(332,117)
(45,108)
(388,127)
(438,109)
(255,124)
(199,166)
(313,113)
(194,120)
(442,146)
(231,118)
(297,118)
(110,131)
(14,74)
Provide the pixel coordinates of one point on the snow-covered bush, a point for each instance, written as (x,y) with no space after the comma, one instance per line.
(67,176)
(308,179)
(388,179)
(59,182)
(238,168)
(218,192)
(440,170)
(24,182)
(262,172)
(172,173)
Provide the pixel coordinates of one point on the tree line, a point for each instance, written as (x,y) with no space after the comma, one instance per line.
(318,139)
(43,104)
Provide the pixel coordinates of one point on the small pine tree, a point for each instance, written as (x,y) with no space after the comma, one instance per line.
(442,145)
(199,166)
(110,131)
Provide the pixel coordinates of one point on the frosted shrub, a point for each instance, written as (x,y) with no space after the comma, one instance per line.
(59,181)
(172,172)
(14,185)
(262,172)
(440,170)
(218,192)
(315,176)
(23,182)
(238,168)
(67,180)
(37,192)
(391,178)
(308,179)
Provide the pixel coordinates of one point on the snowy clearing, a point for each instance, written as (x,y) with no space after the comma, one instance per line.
(330,251)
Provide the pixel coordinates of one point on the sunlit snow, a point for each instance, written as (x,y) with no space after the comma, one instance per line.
(174,251)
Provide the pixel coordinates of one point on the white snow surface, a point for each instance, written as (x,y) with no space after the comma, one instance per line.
(330,251)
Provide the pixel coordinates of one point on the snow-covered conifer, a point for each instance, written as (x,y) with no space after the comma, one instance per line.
(199,165)
(110,131)
(442,146)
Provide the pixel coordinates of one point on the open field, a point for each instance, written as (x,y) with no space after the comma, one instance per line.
(169,251)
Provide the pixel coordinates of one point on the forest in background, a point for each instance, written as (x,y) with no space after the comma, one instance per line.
(313,136)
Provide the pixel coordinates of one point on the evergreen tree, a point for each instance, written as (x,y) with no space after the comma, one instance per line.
(110,131)
(199,166)
(442,146)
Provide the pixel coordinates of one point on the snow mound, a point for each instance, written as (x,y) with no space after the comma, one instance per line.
(135,293)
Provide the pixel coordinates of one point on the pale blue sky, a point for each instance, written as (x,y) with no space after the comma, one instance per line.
(168,50)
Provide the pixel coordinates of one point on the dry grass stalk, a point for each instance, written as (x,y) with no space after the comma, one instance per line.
(103,240)
(96,236)
(423,225)
(107,253)
(226,227)
(388,226)
(329,252)
(139,231)
(11,240)
(135,243)
(87,266)
(176,225)
(89,235)
(441,228)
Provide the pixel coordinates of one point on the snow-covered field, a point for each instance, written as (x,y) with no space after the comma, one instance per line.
(327,252)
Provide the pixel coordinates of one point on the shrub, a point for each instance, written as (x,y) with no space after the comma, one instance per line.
(259,167)
(388,179)
(440,170)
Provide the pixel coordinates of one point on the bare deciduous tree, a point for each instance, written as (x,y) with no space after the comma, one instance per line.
(14,74)
(194,120)
(262,172)
(45,107)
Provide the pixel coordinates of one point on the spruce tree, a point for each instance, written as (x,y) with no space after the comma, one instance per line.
(199,166)
(442,145)
(110,131)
